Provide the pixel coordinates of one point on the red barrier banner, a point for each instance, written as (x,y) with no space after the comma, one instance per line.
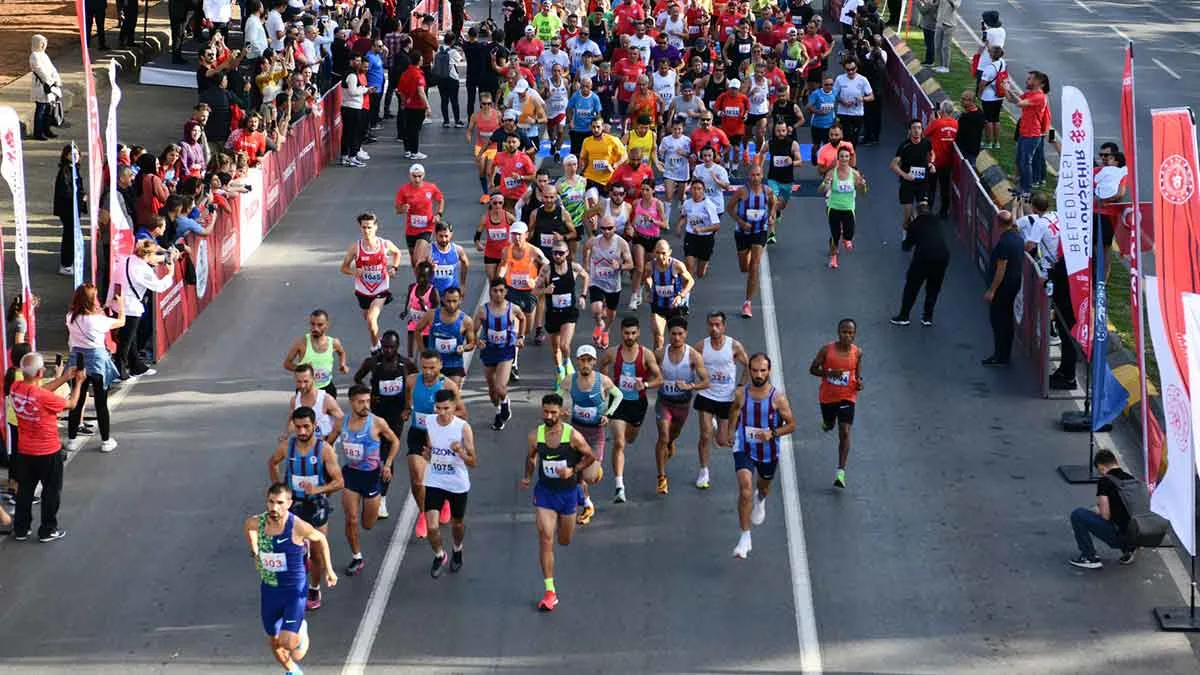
(272,192)
(174,311)
(1125,228)
(307,167)
(251,215)
(1032,313)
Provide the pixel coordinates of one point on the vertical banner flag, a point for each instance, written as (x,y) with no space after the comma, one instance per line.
(95,150)
(1173,493)
(120,231)
(76,228)
(1108,396)
(1151,460)
(1187,521)
(12,168)
(1074,197)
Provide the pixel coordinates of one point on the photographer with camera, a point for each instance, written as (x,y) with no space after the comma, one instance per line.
(148,270)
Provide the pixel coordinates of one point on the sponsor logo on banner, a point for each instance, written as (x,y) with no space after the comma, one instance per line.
(1176,182)
(1075,196)
(95,147)
(287,172)
(120,230)
(169,301)
(202,268)
(273,195)
(308,149)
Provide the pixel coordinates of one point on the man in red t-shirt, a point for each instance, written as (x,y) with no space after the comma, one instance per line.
(1031,127)
(419,200)
(37,408)
(414,102)
(708,135)
(732,106)
(632,173)
(628,14)
(626,72)
(942,132)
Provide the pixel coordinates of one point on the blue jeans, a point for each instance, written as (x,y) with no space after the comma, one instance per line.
(1039,164)
(1087,524)
(1026,151)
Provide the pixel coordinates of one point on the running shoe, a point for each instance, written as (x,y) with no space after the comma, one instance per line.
(570,368)
(662,488)
(356,566)
(314,599)
(826,426)
(585,516)
(86,429)
(514,375)
(771,239)
(383,512)
(109,445)
(455,561)
(839,479)
(746,311)
(53,536)
(74,444)
(702,479)
(597,333)
(444,516)
(355,162)
(743,546)
(549,602)
(483,199)
(539,336)
(759,512)
(1127,557)
(21,536)
(422,529)
(619,496)
(420,156)
(635,301)
(459,125)
(439,565)
(849,245)
(604,340)
(927,322)
(505,410)
(1087,562)
(833,265)
(362,156)
(446,125)
(899,320)
(498,423)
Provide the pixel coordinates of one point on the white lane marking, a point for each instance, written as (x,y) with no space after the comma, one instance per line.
(1118,32)
(381,592)
(1170,72)
(806,618)
(1085,8)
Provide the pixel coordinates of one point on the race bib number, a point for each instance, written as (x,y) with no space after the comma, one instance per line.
(372,276)
(847,186)
(842,380)
(695,223)
(446,345)
(497,235)
(757,434)
(273,562)
(917,172)
(664,291)
(421,420)
(560,300)
(546,239)
(391,387)
(520,280)
(586,414)
(732,112)
(744,49)
(789,64)
(600,165)
(627,382)
(512,182)
(498,338)
(354,451)
(666,97)
(630,86)
(530,60)
(781,161)
(442,467)
(671,389)
(676,160)
(322,375)
(826,108)
(605,272)
(755,215)
(419,222)
(305,484)
(414,315)
(551,467)
(759,98)
(717,377)
(443,271)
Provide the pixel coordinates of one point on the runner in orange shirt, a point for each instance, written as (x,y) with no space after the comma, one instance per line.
(839,365)
(732,106)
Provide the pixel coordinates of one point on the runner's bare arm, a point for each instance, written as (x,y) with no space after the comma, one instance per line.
(468,447)
(294,354)
(468,327)
(336,416)
(316,539)
(348,260)
(250,528)
(735,409)
(274,460)
(343,366)
(395,255)
(858,372)
(530,460)
(689,281)
(460,407)
(655,373)
(519,320)
(581,273)
(581,445)
(425,321)
(740,357)
(698,367)
(364,370)
(787,421)
(333,471)
(464,267)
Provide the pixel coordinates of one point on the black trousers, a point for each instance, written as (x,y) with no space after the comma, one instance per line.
(941,184)
(413,119)
(852,126)
(872,120)
(448,90)
(472,93)
(1064,319)
(129,362)
(66,244)
(928,273)
(1000,313)
(458,15)
(930,39)
(96,384)
(129,22)
(94,13)
(375,114)
(351,131)
(31,470)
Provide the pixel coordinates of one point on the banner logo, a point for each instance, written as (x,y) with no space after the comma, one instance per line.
(1177,411)
(1175,180)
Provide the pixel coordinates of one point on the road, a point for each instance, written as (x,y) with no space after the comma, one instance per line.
(947,553)
(1082,42)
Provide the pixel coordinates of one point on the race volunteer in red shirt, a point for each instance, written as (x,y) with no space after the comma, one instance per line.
(419,200)
(942,132)
(1032,125)
(37,408)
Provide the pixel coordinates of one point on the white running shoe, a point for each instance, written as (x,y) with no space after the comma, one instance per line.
(383,512)
(356,162)
(74,444)
(702,479)
(419,155)
(759,513)
(362,156)
(108,446)
(635,301)
(743,546)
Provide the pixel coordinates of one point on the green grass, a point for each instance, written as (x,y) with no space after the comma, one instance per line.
(954,83)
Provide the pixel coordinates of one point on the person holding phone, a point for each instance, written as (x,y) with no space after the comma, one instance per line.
(87,327)
(141,275)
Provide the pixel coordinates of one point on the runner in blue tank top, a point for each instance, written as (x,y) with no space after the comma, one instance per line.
(501,331)
(450,263)
(277,539)
(670,285)
(753,209)
(594,397)
(763,415)
(451,333)
(364,469)
(421,388)
(310,469)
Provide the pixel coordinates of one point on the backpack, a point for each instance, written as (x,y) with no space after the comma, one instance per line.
(1000,80)
(441,63)
(1145,527)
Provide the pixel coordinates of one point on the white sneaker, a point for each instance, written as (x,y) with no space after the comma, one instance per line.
(702,479)
(344,161)
(354,161)
(108,446)
(759,513)
(362,156)
(74,444)
(66,271)
(383,512)
(941,69)
(743,546)
(149,372)
(419,155)
(428,120)
(635,301)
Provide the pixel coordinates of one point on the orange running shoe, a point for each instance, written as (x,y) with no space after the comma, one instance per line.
(604,340)
(549,602)
(444,517)
(848,244)
(422,530)
(833,262)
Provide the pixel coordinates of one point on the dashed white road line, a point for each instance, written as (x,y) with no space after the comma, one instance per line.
(1118,32)
(1162,65)
(1085,8)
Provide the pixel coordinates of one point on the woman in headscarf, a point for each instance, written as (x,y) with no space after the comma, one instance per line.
(47,88)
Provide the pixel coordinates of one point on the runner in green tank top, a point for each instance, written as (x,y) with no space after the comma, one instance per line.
(319,351)
(841,187)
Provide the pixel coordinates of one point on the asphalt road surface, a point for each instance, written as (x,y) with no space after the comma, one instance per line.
(947,553)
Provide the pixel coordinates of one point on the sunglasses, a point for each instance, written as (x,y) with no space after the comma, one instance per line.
(1106,154)
(607,228)
(559,253)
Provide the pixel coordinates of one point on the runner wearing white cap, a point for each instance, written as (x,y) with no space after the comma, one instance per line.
(594,397)
(519,266)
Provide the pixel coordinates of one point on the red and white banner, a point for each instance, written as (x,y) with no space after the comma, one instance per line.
(12,168)
(120,231)
(95,147)
(1075,209)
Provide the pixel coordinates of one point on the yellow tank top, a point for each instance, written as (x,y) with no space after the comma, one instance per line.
(643,142)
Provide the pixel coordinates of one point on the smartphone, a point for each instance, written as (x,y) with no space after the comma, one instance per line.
(79,361)
(1052,135)
(58,359)
(116,290)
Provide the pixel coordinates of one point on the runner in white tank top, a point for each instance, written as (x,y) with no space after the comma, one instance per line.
(328,412)
(451,448)
(606,255)
(722,355)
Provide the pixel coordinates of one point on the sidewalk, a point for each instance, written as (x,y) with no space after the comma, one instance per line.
(148,116)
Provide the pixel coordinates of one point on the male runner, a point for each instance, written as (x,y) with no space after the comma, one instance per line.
(311,470)
(914,165)
(501,325)
(451,333)
(605,258)
(318,350)
(683,372)
(561,285)
(670,285)
(753,209)
(635,370)
(422,204)
(594,398)
(421,388)
(722,355)
(388,370)
(560,455)
(372,262)
(364,469)
(277,541)
(520,264)
(839,365)
(781,158)
(450,263)
(763,415)
(699,221)
(450,452)
(328,412)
